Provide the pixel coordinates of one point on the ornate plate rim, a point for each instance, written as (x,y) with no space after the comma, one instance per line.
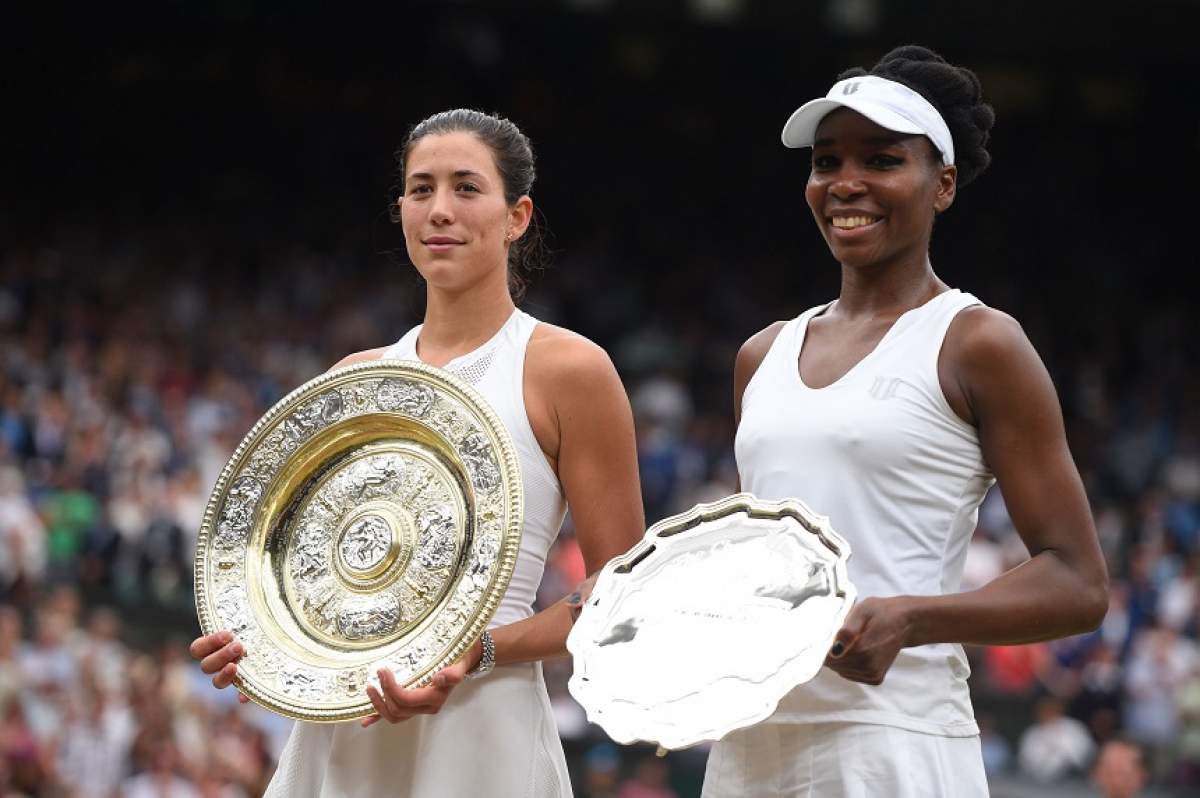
(630,732)
(512,489)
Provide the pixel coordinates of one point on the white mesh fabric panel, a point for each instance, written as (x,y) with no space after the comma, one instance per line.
(472,372)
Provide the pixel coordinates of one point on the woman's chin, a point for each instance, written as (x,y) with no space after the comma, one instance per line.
(451,279)
(855,257)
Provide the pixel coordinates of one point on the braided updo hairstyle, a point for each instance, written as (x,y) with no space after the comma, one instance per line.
(953,90)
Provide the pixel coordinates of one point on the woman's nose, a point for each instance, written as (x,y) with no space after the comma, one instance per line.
(847,184)
(442,210)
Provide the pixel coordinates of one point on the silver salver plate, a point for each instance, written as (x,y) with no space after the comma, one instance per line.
(371,519)
(703,626)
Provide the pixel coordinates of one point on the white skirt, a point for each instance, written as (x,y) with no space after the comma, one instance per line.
(494,736)
(843,760)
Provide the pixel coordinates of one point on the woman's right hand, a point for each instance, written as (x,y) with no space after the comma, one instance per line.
(218,654)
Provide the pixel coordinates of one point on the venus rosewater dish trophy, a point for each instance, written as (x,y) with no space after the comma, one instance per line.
(707,623)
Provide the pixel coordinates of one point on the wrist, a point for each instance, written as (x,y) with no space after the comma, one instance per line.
(483,652)
(913,618)
(474,654)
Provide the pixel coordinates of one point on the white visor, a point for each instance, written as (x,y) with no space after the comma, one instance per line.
(889,104)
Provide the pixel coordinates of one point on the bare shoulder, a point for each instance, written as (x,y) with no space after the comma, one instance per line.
(364,356)
(749,358)
(751,355)
(573,393)
(988,366)
(756,347)
(558,357)
(983,337)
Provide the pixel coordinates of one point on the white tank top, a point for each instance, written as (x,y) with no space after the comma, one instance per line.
(901,477)
(497,370)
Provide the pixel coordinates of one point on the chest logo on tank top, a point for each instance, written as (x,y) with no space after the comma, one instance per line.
(884,387)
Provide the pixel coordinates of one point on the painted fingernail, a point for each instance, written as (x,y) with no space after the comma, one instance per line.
(837,649)
(226,637)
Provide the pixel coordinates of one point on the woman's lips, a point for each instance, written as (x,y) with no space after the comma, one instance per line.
(852,227)
(442,244)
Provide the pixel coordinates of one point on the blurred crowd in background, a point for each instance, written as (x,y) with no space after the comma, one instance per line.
(219,236)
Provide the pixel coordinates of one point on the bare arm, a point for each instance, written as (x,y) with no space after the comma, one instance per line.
(1063,588)
(583,421)
(993,377)
(749,358)
(581,418)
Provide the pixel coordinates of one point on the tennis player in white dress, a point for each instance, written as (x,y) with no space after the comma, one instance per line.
(893,409)
(484,727)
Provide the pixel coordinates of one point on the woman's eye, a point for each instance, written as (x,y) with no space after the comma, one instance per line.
(468,187)
(885,160)
(420,188)
(824,162)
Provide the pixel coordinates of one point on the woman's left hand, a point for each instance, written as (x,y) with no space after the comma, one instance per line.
(396,704)
(868,642)
(582,593)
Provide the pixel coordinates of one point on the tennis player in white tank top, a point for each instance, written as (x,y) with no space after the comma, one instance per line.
(893,409)
(464,209)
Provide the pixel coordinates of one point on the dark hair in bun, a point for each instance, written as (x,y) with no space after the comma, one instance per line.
(953,90)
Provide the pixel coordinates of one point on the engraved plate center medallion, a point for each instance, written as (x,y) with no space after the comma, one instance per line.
(366,544)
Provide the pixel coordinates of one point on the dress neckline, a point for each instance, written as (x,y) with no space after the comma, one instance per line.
(458,359)
(892,331)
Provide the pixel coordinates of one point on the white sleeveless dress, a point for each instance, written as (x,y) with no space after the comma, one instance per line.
(901,477)
(494,736)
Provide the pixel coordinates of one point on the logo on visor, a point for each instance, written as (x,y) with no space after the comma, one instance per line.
(850,88)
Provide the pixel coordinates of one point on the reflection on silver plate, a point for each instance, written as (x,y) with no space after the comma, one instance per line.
(370,519)
(709,621)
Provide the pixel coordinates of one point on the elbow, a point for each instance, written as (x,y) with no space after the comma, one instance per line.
(1083,591)
(1093,604)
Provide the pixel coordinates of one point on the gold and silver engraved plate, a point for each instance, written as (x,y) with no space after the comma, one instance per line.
(704,625)
(371,519)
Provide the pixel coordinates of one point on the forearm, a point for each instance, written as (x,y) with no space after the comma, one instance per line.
(540,636)
(1043,598)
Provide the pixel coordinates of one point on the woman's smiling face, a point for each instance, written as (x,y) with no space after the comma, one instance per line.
(874,192)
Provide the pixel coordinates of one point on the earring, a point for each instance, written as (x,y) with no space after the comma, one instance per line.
(508,236)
